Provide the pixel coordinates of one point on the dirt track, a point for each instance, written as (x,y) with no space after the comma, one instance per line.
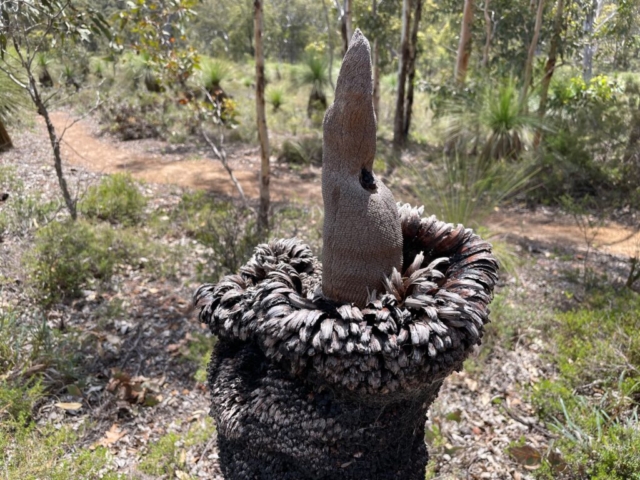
(82,147)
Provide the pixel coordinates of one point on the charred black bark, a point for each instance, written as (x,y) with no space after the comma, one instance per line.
(307,388)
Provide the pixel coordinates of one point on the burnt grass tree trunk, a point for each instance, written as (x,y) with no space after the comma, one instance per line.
(5,139)
(328,371)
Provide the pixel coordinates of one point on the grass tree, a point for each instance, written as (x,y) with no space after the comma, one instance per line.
(12,100)
(495,126)
(315,74)
(214,72)
(27,27)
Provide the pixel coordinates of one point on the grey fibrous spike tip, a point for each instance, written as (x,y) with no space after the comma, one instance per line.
(361,233)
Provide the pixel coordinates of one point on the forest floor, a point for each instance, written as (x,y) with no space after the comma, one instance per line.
(142,399)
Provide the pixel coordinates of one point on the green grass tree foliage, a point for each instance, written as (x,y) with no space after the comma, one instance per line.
(314,73)
(12,101)
(493,125)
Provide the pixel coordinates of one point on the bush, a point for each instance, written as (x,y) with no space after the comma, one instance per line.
(593,403)
(67,256)
(135,117)
(228,230)
(22,212)
(116,199)
(305,151)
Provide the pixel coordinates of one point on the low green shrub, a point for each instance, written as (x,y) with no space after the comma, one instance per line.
(228,230)
(67,256)
(21,212)
(116,199)
(304,151)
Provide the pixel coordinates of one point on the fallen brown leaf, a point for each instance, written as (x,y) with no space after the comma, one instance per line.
(112,436)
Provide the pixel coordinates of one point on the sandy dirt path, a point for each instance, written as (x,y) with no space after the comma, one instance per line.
(82,147)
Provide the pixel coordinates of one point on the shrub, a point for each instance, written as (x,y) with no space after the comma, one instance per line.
(116,199)
(21,212)
(275,96)
(228,230)
(304,151)
(66,257)
(135,117)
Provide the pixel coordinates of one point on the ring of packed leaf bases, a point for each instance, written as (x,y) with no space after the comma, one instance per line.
(415,333)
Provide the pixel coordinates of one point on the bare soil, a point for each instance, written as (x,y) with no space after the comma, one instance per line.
(153,162)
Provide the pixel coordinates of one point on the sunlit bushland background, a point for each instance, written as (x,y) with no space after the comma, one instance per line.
(489,111)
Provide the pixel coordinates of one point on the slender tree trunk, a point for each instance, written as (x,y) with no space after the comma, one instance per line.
(55,144)
(374,60)
(413,53)
(528,68)
(464,45)
(403,61)
(348,20)
(5,139)
(549,68)
(591,46)
(263,137)
(343,26)
(488,32)
(329,43)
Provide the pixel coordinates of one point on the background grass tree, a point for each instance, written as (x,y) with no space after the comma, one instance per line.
(314,73)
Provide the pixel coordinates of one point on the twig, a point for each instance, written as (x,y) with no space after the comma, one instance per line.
(221,154)
(206,448)
(529,424)
(81,117)
(134,346)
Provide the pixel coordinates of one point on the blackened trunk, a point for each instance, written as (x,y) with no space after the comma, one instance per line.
(403,61)
(413,54)
(5,139)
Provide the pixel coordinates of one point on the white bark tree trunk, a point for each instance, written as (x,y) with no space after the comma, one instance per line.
(488,33)
(376,69)
(591,45)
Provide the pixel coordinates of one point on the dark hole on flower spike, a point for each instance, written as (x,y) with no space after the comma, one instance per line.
(367,180)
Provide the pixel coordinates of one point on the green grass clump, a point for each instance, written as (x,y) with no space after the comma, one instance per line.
(34,360)
(303,151)
(593,404)
(116,199)
(275,97)
(167,455)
